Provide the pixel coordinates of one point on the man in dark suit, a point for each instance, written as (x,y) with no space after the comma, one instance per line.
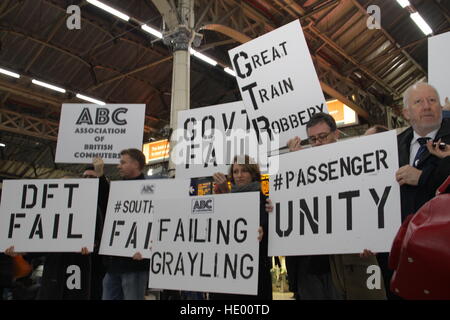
(420,172)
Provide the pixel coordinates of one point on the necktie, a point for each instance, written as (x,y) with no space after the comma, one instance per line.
(422,148)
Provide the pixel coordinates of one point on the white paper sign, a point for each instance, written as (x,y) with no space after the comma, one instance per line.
(54,215)
(208,139)
(87,131)
(278,83)
(129,217)
(207,244)
(337,198)
(438,64)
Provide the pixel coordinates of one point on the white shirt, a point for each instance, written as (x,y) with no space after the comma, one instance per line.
(415,145)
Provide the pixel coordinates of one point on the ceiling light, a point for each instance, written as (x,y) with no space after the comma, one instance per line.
(49,86)
(9,73)
(2,145)
(152,31)
(421,23)
(230,71)
(82,97)
(201,56)
(403,3)
(109,9)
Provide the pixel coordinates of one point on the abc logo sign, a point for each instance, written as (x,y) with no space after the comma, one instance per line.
(203,205)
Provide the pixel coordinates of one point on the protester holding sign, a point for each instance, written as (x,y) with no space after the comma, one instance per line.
(68,275)
(336,276)
(245,176)
(126,278)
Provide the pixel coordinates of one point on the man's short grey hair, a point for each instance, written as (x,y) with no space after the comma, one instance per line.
(415,86)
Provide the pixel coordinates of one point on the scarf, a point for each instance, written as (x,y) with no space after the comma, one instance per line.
(253,186)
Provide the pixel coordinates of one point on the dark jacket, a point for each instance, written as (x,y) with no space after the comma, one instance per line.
(434,170)
(88,271)
(6,271)
(115,264)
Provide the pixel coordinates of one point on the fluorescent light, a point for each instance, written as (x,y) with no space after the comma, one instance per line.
(421,23)
(152,31)
(403,3)
(9,73)
(107,8)
(201,56)
(82,97)
(49,86)
(2,145)
(230,71)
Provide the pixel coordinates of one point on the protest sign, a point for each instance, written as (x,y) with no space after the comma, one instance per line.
(129,217)
(208,138)
(278,83)
(337,198)
(438,64)
(87,131)
(48,215)
(207,244)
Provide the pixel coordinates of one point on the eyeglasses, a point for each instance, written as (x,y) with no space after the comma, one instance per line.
(319,137)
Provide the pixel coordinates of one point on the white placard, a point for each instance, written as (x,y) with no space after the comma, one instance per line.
(54,215)
(278,83)
(337,198)
(208,139)
(87,131)
(438,64)
(207,244)
(129,217)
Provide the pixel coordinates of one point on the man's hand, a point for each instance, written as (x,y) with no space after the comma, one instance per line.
(367,253)
(269,205)
(294,144)
(98,166)
(10,252)
(446,106)
(137,256)
(260,233)
(408,175)
(84,251)
(221,181)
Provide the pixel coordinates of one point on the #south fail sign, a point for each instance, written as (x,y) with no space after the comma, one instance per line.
(278,83)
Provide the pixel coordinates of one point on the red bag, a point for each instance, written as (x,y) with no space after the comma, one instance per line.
(420,253)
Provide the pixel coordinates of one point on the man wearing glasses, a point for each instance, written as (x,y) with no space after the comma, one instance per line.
(331,277)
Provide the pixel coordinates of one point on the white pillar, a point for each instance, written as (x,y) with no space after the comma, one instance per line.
(180,39)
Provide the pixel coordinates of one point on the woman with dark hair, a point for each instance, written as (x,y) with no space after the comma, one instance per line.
(245,176)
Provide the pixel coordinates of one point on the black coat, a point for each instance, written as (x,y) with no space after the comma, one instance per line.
(61,270)
(434,170)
